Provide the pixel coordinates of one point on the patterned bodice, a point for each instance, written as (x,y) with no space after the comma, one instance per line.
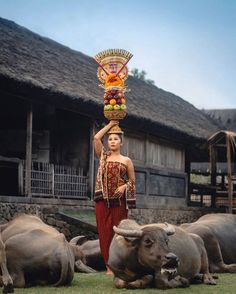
(110,176)
(114,174)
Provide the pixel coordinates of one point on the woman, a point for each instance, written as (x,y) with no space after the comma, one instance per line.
(115,185)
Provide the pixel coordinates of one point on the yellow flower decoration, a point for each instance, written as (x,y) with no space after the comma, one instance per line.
(112,80)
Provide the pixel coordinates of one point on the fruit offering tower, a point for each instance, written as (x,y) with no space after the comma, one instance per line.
(113,72)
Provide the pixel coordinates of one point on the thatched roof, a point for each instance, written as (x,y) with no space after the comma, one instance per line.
(65,76)
(222,136)
(225,117)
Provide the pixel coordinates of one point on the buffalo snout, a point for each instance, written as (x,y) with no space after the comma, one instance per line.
(172,259)
(170,265)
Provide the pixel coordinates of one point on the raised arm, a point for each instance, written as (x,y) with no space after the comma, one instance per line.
(97,138)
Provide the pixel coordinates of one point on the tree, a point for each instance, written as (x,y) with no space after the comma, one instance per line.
(141,75)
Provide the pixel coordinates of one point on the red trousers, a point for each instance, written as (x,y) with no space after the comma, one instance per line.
(106,218)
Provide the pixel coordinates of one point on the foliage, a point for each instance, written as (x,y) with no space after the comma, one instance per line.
(141,75)
(102,284)
(200,179)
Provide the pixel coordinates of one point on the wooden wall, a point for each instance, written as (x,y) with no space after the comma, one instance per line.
(64,137)
(70,140)
(154,152)
(160,170)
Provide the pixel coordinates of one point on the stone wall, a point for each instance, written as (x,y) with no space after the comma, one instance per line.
(9,210)
(51,215)
(71,227)
(171,215)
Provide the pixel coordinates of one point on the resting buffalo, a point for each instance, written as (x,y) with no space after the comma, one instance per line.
(91,252)
(156,253)
(6,280)
(38,254)
(218,232)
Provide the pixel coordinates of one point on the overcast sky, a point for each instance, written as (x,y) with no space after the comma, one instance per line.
(188,47)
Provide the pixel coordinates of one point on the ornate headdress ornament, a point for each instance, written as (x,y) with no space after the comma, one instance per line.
(113,72)
(113,61)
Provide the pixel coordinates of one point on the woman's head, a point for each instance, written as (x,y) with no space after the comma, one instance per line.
(114,141)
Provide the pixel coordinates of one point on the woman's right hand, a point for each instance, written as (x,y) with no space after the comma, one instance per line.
(113,123)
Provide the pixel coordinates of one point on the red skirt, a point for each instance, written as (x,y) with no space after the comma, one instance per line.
(106,218)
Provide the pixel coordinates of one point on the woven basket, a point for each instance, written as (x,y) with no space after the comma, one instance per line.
(114,114)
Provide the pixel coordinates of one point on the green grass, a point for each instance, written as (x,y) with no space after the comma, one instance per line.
(84,215)
(102,284)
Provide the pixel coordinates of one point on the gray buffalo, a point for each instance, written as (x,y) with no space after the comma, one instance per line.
(159,254)
(5,279)
(218,232)
(37,254)
(91,252)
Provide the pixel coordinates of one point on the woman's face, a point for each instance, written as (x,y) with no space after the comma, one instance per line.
(114,142)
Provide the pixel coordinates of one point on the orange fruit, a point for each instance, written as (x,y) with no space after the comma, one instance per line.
(113,101)
(123,101)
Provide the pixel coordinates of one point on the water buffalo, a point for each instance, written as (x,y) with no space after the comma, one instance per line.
(37,254)
(142,255)
(91,251)
(5,279)
(218,232)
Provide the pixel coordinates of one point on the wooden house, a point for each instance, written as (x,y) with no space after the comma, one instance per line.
(50,107)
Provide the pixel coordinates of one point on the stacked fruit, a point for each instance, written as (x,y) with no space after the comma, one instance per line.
(114,99)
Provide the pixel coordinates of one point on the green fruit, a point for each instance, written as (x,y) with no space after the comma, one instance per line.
(123,106)
(108,107)
(116,107)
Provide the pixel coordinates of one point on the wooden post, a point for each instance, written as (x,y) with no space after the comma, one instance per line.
(229,170)
(146,148)
(147,173)
(20,178)
(187,169)
(91,162)
(28,162)
(213,160)
(52,174)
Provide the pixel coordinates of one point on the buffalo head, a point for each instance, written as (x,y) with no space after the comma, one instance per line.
(151,244)
(80,260)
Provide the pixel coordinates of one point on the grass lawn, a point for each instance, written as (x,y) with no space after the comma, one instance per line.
(84,215)
(102,284)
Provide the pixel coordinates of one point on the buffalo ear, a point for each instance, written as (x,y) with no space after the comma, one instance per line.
(132,240)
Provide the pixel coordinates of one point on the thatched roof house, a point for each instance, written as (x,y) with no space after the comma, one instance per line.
(58,87)
(68,77)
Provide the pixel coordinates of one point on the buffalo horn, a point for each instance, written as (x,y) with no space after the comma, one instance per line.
(128,233)
(83,268)
(79,240)
(170,230)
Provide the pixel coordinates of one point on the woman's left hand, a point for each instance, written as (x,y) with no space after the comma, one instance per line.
(120,190)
